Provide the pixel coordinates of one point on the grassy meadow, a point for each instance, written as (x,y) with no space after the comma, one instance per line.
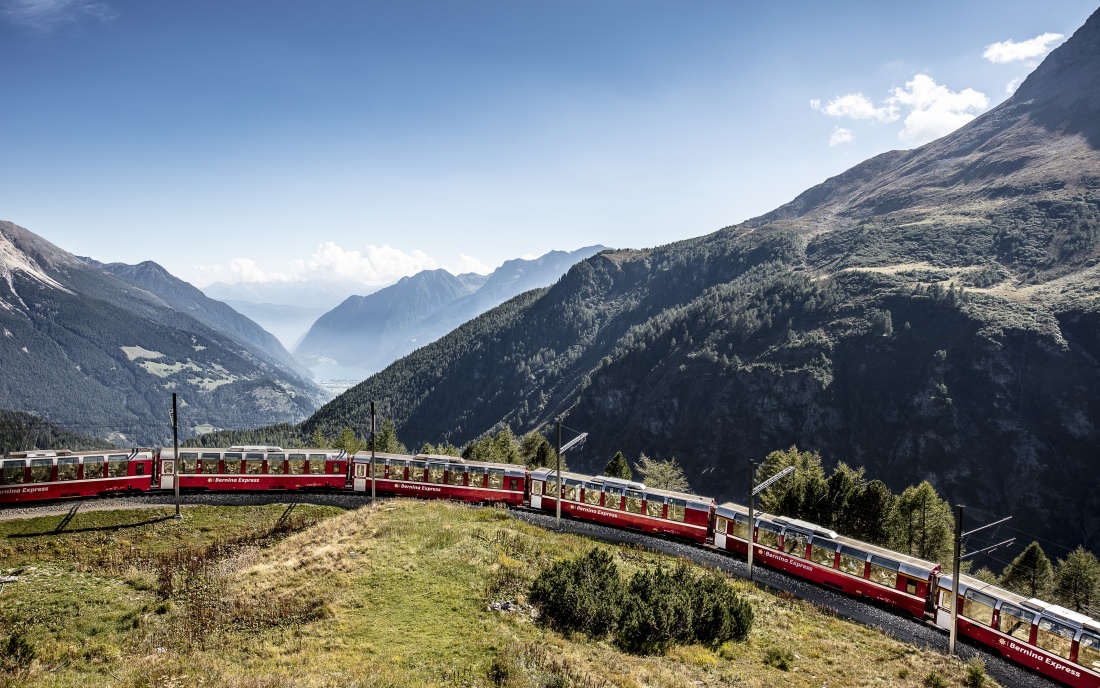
(392,595)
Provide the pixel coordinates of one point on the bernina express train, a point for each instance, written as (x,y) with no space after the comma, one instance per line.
(1057,642)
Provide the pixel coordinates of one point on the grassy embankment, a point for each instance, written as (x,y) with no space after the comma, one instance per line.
(395,595)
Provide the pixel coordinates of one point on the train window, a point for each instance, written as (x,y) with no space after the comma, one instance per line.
(592,494)
(654,506)
(676,510)
(275,464)
(552,486)
(794,543)
(397,469)
(475,476)
(118,465)
(211,463)
(454,475)
(613,496)
(67,468)
(823,552)
(93,467)
(436,472)
(536,487)
(1088,653)
(253,464)
(41,470)
(767,534)
(720,525)
(496,478)
(978,607)
(740,527)
(884,571)
(296,464)
(14,472)
(634,501)
(1014,621)
(1055,637)
(189,462)
(910,586)
(852,561)
(416,471)
(317,464)
(572,490)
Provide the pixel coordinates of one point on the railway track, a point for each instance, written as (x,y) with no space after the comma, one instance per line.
(900,627)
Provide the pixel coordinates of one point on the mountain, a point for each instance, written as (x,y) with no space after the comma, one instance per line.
(931,314)
(366,333)
(289,324)
(23,432)
(98,349)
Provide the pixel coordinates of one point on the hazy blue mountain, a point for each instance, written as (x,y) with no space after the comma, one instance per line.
(288,323)
(366,333)
(931,314)
(99,349)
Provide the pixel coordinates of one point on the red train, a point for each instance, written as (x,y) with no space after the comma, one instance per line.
(1054,641)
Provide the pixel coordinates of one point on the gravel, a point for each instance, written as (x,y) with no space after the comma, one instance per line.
(903,628)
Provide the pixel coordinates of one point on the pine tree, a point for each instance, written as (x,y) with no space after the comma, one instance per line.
(1077,580)
(386,439)
(618,467)
(923,525)
(1029,574)
(319,441)
(663,475)
(349,442)
(802,494)
(868,513)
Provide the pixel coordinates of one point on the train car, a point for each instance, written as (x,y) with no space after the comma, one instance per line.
(623,503)
(253,468)
(437,476)
(1049,639)
(61,474)
(809,551)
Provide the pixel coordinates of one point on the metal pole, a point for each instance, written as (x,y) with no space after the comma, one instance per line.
(176,454)
(955,579)
(752,512)
(372,443)
(561,489)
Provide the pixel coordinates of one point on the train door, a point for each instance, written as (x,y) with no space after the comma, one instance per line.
(360,479)
(720,532)
(167,474)
(536,493)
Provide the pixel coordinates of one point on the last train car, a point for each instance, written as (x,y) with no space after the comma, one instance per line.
(254,468)
(1054,641)
(61,474)
(623,503)
(818,554)
(440,477)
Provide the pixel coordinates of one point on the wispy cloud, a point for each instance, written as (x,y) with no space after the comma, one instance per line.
(469,264)
(931,110)
(46,14)
(1030,50)
(840,135)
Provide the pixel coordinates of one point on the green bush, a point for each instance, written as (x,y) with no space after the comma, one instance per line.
(658,611)
(935,679)
(975,673)
(581,595)
(779,658)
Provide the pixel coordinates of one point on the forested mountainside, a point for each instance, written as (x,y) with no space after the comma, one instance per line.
(23,432)
(370,332)
(100,355)
(929,314)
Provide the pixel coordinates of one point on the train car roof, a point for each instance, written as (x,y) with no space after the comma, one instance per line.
(911,565)
(257,449)
(543,473)
(65,453)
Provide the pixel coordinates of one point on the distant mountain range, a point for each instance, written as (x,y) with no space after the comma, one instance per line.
(364,334)
(929,314)
(99,348)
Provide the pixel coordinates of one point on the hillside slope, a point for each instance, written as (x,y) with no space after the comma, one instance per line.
(100,355)
(929,314)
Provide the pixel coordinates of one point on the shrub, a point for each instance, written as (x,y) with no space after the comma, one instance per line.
(581,595)
(19,653)
(935,679)
(719,615)
(975,673)
(658,611)
(779,658)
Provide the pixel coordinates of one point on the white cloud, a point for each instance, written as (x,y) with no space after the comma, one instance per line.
(840,135)
(469,264)
(44,14)
(1011,87)
(931,110)
(1029,50)
(935,110)
(375,265)
(855,106)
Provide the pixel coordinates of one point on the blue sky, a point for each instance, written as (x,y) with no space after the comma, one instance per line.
(290,140)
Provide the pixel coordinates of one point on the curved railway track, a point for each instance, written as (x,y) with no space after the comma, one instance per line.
(902,628)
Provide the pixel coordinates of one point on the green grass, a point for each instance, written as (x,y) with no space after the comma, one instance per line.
(394,595)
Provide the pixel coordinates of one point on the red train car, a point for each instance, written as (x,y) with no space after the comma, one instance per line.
(624,504)
(61,474)
(1049,639)
(253,468)
(435,476)
(820,555)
